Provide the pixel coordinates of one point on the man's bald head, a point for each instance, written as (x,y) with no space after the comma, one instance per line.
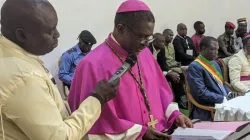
(158,35)
(166,31)
(17,12)
(25,22)
(181,25)
(159,41)
(182,29)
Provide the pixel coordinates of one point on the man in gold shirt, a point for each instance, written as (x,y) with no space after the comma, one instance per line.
(170,52)
(30,105)
(178,87)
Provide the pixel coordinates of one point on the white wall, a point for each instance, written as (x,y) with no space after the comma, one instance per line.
(97,16)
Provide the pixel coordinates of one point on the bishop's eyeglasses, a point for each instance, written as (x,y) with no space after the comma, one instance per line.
(142,40)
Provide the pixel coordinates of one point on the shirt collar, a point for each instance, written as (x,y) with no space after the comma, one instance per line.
(154,48)
(199,35)
(114,43)
(114,39)
(243,55)
(78,50)
(155,52)
(225,34)
(181,36)
(167,45)
(9,44)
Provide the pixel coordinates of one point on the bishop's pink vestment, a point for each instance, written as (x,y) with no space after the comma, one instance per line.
(128,107)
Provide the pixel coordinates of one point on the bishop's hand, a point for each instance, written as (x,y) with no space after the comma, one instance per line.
(153,134)
(183,121)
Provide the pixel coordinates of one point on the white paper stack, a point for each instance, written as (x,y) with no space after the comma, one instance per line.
(199,134)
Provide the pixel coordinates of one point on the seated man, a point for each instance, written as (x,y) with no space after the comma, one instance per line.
(72,57)
(239,68)
(240,33)
(199,28)
(184,47)
(31,107)
(158,49)
(205,80)
(170,52)
(143,107)
(226,41)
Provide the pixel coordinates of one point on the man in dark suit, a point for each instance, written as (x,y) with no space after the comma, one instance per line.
(157,48)
(205,80)
(184,47)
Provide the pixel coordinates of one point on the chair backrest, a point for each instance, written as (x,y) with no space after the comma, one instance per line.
(59,62)
(191,100)
(223,63)
(63,85)
(190,97)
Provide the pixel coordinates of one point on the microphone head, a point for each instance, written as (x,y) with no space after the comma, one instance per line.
(131,60)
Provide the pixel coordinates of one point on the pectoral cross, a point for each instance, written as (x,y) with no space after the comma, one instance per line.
(152,122)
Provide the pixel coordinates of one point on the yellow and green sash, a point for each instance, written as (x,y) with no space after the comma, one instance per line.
(210,67)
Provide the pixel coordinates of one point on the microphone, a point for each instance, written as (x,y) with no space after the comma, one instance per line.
(129,63)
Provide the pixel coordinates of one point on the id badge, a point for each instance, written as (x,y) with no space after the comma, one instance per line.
(190,52)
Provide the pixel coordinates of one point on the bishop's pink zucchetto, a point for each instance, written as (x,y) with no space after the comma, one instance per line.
(132,6)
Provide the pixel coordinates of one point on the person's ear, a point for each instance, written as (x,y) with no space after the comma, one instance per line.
(20,35)
(120,28)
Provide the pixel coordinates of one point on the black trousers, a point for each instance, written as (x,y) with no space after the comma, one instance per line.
(178,88)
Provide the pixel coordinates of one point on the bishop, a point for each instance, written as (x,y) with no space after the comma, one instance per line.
(133,113)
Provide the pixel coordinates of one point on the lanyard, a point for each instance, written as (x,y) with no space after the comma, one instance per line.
(185,40)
